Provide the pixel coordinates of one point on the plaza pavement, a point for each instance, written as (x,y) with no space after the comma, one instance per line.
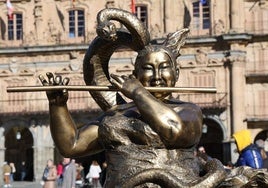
(26,184)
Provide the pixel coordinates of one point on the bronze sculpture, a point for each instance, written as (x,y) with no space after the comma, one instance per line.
(149,141)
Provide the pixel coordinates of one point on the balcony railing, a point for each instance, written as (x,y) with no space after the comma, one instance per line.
(257,27)
(40,104)
(210,100)
(258,112)
(257,67)
(56,38)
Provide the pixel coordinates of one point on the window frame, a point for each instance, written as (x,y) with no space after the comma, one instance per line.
(201,14)
(15,27)
(138,13)
(75,28)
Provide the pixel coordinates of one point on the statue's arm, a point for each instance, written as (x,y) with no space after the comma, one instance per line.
(178,127)
(69,140)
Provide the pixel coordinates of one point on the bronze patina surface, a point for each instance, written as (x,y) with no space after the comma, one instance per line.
(149,142)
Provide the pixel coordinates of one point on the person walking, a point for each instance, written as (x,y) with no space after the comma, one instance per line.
(69,174)
(6,173)
(94,173)
(50,175)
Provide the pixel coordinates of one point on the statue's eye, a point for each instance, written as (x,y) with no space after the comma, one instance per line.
(147,67)
(164,65)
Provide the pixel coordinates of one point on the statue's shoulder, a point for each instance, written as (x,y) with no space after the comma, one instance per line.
(178,104)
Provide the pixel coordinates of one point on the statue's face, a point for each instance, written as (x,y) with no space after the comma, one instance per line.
(157,70)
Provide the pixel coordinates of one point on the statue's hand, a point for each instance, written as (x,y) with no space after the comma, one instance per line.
(59,97)
(128,85)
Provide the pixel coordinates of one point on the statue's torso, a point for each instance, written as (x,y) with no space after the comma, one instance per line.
(132,147)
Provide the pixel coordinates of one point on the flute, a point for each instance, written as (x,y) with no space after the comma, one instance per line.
(108,88)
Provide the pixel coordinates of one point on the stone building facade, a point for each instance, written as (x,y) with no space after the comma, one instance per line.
(227,49)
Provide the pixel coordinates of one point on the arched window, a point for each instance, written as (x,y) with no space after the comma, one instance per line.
(76,23)
(15,27)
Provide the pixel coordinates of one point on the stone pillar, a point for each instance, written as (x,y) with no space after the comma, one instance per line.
(43,149)
(2,153)
(168,17)
(237,16)
(41,155)
(238,93)
(38,10)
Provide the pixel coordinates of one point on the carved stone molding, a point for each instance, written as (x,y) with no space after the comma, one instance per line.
(232,59)
(263,4)
(13,66)
(219,27)
(201,57)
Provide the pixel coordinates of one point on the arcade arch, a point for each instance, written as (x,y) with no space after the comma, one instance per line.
(213,135)
(18,144)
(19,148)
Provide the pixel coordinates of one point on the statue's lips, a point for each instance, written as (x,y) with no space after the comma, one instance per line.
(158,85)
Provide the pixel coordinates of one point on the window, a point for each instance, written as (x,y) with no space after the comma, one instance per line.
(201,15)
(15,28)
(141,13)
(76,23)
(206,79)
(262,104)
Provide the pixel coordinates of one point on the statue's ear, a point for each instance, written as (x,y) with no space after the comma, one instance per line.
(176,40)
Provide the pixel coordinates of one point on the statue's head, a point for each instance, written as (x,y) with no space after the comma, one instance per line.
(156,64)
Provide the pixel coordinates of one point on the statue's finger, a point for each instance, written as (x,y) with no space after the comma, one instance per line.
(132,76)
(115,83)
(50,77)
(66,81)
(117,78)
(58,80)
(124,77)
(42,79)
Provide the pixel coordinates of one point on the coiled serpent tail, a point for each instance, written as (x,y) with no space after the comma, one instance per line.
(95,64)
(215,175)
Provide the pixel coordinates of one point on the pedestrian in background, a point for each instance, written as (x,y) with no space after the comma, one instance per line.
(94,173)
(201,153)
(50,175)
(60,173)
(103,173)
(69,173)
(22,171)
(6,174)
(249,154)
(79,174)
(260,144)
(13,170)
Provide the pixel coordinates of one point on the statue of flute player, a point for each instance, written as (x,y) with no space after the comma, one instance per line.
(148,141)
